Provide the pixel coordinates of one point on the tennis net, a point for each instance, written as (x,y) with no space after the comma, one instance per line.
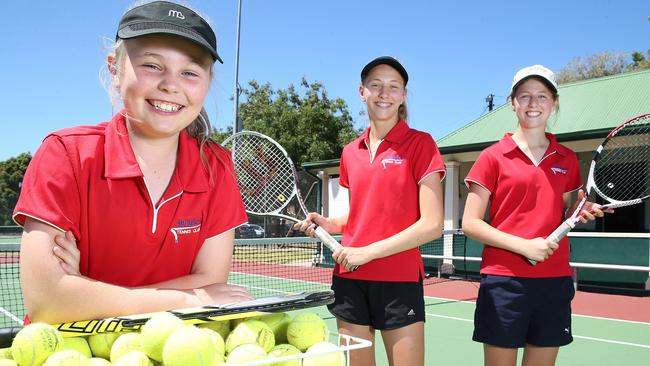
(266,267)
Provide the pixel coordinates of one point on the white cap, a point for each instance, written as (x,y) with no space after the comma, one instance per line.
(536,70)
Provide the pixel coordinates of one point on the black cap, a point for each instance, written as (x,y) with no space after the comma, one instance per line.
(385,60)
(168,18)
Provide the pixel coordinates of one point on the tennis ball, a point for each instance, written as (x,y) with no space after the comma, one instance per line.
(278,322)
(96,361)
(100,344)
(285,350)
(251,331)
(219,360)
(79,344)
(305,330)
(327,359)
(134,358)
(66,357)
(7,362)
(245,353)
(155,332)
(188,346)
(218,342)
(5,353)
(35,343)
(221,327)
(124,344)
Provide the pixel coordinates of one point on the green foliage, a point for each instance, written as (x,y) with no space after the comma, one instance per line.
(310,126)
(602,64)
(12,172)
(639,61)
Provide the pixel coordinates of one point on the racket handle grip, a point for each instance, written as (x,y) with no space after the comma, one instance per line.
(557,234)
(330,242)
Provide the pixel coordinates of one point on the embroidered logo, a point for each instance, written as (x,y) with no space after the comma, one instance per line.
(393,159)
(185,226)
(556,169)
(175,14)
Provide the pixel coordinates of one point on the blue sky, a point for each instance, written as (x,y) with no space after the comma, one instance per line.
(456,53)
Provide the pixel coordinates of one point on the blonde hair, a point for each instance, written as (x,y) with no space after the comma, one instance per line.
(402,111)
(200,129)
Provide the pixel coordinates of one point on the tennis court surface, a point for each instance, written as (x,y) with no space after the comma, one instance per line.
(608,329)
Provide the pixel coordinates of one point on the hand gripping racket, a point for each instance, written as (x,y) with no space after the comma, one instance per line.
(198,315)
(268,181)
(619,171)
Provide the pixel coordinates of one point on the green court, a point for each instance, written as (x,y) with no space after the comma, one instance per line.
(299,264)
(597,341)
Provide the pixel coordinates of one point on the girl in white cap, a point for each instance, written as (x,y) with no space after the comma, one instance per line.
(136,214)
(393,173)
(526,179)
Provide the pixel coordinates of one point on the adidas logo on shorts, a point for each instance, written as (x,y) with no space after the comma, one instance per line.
(411,313)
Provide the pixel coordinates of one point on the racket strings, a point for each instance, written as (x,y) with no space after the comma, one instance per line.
(622,171)
(264,174)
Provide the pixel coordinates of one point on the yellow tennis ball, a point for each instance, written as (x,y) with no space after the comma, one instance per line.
(189,346)
(235,322)
(97,361)
(245,353)
(278,322)
(219,360)
(314,358)
(35,343)
(7,362)
(5,353)
(305,330)
(221,327)
(124,344)
(285,350)
(79,344)
(251,331)
(134,358)
(155,332)
(101,344)
(218,342)
(66,357)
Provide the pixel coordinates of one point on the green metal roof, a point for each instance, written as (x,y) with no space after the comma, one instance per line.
(588,109)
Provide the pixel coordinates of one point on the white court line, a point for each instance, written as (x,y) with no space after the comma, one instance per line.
(611,341)
(574,336)
(10,315)
(573,315)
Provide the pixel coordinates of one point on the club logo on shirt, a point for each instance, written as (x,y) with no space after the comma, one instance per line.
(392,159)
(184,227)
(556,169)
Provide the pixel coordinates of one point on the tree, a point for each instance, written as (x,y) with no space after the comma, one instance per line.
(594,66)
(602,64)
(311,126)
(639,61)
(12,172)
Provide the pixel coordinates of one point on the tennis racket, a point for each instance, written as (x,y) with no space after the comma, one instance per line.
(268,181)
(619,171)
(196,315)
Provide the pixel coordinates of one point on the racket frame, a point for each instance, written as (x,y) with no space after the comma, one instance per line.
(190,316)
(568,224)
(327,239)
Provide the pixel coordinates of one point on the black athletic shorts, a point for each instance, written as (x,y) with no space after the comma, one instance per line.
(382,305)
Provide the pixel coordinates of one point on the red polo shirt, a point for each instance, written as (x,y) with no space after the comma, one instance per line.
(526,201)
(87,179)
(384,197)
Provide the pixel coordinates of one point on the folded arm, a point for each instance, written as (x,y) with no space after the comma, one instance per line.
(54,293)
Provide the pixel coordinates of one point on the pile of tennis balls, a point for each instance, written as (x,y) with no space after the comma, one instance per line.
(165,340)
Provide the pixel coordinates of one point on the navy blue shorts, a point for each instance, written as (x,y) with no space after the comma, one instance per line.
(382,305)
(512,311)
